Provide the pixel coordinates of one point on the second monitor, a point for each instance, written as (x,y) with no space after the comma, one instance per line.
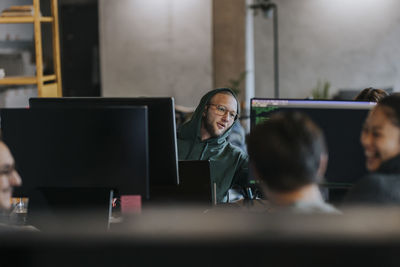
(163,163)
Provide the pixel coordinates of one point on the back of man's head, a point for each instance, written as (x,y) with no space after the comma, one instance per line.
(286,151)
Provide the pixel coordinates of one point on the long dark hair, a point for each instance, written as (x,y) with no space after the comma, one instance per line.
(391,108)
(371,94)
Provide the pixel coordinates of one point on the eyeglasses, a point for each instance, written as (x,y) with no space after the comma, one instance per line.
(222,111)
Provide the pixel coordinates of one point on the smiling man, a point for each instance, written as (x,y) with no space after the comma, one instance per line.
(204,138)
(9,177)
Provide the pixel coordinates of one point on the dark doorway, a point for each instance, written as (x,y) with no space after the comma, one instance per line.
(80,60)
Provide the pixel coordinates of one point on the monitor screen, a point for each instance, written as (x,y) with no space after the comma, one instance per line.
(341,122)
(104,148)
(163,157)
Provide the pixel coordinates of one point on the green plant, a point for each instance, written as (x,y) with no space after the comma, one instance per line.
(321,91)
(235,84)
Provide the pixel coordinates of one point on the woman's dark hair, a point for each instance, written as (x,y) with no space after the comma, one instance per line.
(371,94)
(286,150)
(391,108)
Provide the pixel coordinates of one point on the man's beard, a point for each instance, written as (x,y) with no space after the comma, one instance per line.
(209,127)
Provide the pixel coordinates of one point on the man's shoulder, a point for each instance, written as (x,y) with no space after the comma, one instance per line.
(236,151)
(314,207)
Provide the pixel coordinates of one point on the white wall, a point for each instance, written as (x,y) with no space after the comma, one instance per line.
(156,48)
(351,44)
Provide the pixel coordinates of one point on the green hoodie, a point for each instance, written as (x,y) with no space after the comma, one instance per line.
(228,164)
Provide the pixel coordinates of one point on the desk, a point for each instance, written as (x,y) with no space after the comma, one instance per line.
(367,237)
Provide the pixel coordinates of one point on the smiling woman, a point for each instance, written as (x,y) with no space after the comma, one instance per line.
(380,139)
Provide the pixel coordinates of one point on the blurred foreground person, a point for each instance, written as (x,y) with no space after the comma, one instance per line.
(380,138)
(288,155)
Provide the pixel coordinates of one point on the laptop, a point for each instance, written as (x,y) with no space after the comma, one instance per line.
(195,181)
(194,186)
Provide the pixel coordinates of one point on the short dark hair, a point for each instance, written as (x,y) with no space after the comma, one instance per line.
(225,92)
(286,150)
(392,110)
(371,94)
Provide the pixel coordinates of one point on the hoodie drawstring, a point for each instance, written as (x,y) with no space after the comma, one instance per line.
(204,151)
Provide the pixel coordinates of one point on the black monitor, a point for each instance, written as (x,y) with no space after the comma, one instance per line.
(163,155)
(105,148)
(341,122)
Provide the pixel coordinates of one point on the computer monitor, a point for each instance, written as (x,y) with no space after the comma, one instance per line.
(341,122)
(163,155)
(84,148)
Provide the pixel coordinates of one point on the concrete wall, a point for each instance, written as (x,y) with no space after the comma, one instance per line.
(156,48)
(229,44)
(351,44)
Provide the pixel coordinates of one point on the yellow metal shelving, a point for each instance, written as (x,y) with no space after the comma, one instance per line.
(47,85)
